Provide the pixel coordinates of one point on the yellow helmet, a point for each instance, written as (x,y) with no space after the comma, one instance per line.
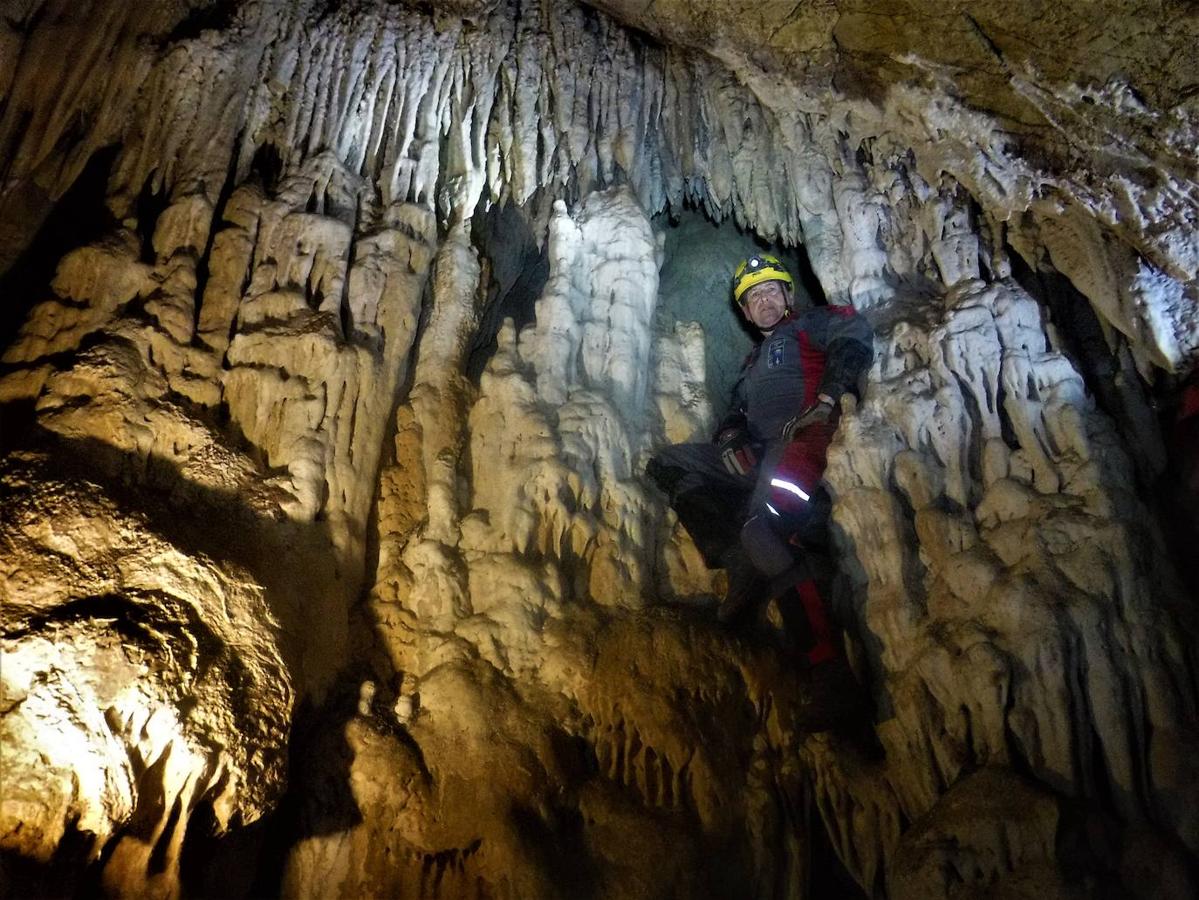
(758,268)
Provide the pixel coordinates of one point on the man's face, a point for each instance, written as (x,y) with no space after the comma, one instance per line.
(765,304)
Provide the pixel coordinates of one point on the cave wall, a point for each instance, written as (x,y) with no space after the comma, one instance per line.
(256,493)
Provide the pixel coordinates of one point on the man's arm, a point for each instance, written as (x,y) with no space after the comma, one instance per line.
(848,344)
(732,434)
(735,419)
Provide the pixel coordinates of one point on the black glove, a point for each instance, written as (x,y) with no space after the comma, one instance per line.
(820,411)
(736,452)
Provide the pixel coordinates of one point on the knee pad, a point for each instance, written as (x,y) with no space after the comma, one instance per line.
(812,528)
(767,550)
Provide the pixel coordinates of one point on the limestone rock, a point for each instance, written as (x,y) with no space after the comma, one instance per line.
(953,853)
(294,453)
(169,690)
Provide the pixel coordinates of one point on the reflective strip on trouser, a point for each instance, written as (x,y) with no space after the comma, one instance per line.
(796,474)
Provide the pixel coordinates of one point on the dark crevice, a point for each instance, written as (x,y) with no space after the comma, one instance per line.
(1177,494)
(110,608)
(243,291)
(8,153)
(1017,759)
(344,309)
(1102,787)
(218,216)
(1086,344)
(519,271)
(64,874)
(79,218)
(829,876)
(218,15)
(151,203)
(974,449)
(158,856)
(326,9)
(1165,452)
(422,326)
(250,861)
(314,294)
(266,167)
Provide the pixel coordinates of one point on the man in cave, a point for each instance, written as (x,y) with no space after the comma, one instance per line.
(752,499)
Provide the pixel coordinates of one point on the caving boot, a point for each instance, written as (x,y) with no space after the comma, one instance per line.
(745,585)
(831,694)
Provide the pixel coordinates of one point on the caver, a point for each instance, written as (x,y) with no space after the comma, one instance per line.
(752,499)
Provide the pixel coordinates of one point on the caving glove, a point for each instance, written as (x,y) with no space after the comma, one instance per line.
(820,411)
(736,452)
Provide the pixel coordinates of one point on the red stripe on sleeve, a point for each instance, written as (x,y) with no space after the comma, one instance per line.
(811,362)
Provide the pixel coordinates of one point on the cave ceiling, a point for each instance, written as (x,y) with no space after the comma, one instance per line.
(864,46)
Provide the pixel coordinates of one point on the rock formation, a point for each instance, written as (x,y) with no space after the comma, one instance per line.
(339,335)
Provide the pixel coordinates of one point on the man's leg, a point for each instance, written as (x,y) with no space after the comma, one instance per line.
(788,511)
(788,501)
(707,497)
(710,502)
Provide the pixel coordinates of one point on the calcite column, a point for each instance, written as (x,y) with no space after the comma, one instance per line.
(432,579)
(575,494)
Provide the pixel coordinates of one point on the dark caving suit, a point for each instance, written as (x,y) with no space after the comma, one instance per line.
(753,523)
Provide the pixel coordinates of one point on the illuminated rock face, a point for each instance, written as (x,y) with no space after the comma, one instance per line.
(331,438)
(139,680)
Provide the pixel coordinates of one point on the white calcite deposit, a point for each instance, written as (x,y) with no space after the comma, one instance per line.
(291,458)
